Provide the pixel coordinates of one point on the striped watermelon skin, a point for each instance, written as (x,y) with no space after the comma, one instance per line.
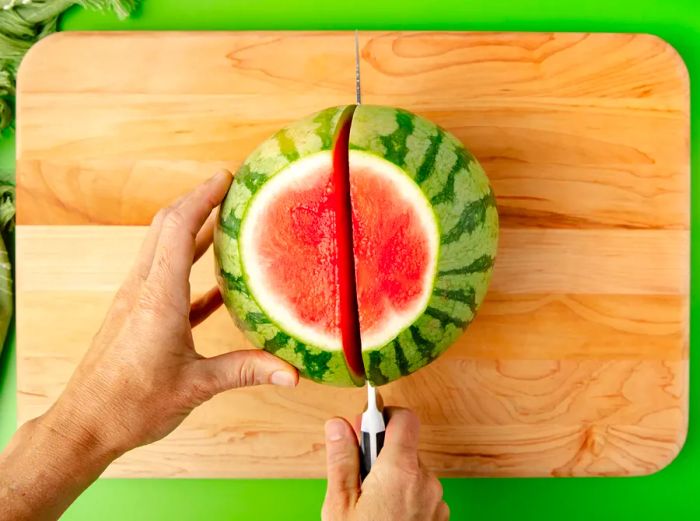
(310,135)
(465,209)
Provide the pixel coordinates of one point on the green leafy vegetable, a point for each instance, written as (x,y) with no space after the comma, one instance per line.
(7,224)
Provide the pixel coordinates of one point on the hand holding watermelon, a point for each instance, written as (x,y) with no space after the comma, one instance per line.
(143,357)
(142,375)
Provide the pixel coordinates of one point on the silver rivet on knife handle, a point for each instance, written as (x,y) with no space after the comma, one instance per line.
(358,90)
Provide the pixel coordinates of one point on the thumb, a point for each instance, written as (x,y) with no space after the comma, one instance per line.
(243,369)
(343,467)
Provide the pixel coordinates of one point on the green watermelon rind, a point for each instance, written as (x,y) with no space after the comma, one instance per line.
(303,138)
(459,286)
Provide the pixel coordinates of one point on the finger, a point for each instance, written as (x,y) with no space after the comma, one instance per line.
(205,236)
(402,428)
(443,512)
(357,424)
(176,246)
(144,259)
(124,299)
(343,467)
(243,369)
(204,306)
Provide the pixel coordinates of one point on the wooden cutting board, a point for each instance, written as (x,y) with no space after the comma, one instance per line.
(578,361)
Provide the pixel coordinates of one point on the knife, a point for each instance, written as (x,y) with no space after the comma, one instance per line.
(373,425)
(372,431)
(358,85)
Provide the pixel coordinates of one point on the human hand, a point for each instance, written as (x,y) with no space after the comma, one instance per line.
(142,376)
(397,487)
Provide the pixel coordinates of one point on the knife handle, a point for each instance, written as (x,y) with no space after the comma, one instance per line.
(371,441)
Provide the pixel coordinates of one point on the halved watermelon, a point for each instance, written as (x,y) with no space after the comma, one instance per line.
(374,191)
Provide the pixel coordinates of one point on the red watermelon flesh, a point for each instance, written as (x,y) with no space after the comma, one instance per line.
(300,253)
(392,250)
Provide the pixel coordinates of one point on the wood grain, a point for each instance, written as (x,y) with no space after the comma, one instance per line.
(607,261)
(567,141)
(604,322)
(577,364)
(476,407)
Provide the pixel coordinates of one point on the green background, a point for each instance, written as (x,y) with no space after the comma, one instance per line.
(669,494)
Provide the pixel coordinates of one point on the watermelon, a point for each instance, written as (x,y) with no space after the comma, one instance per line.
(357,244)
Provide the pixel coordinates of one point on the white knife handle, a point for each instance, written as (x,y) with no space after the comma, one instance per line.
(372,434)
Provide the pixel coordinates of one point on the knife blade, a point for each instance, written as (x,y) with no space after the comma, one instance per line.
(373,424)
(358,84)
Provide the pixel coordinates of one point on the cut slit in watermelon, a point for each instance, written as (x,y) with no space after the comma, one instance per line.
(349,314)
(356,225)
(383,250)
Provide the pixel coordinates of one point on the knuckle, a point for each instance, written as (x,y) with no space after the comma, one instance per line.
(179,224)
(413,472)
(408,475)
(202,389)
(247,371)
(159,217)
(210,200)
(175,219)
(340,458)
(148,302)
(443,512)
(434,488)
(410,468)
(204,193)
(164,264)
(413,477)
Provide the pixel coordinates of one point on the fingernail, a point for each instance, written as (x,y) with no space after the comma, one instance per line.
(282,378)
(335,430)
